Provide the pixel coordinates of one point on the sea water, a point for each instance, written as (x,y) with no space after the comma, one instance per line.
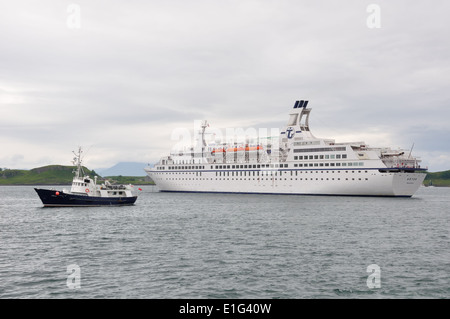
(182,245)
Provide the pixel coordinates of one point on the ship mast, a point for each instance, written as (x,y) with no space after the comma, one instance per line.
(77,162)
(204,126)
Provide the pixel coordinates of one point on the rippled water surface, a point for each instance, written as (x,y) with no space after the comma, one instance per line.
(177,245)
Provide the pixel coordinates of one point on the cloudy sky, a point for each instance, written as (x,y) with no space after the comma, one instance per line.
(118,77)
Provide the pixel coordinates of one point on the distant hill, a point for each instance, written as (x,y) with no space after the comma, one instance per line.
(59,175)
(437,179)
(46,175)
(124,169)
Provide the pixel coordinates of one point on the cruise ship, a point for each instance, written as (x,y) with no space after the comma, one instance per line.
(295,162)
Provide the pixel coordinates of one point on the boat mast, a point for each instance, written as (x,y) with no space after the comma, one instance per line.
(77,162)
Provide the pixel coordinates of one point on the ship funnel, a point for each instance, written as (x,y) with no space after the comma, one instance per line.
(300,104)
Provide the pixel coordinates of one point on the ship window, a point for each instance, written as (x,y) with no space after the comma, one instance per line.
(295,157)
(310,157)
(344,155)
(321,156)
(316,156)
(338,156)
(300,157)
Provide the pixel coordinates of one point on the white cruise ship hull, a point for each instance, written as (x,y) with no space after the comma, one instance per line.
(369,182)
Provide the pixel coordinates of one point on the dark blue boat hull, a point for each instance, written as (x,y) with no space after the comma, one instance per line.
(54,198)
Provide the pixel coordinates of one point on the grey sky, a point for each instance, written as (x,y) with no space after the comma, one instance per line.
(137,70)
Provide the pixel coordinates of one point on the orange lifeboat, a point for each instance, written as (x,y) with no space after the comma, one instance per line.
(218,150)
(253,148)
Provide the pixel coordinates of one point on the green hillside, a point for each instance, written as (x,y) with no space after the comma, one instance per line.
(46,175)
(59,175)
(437,179)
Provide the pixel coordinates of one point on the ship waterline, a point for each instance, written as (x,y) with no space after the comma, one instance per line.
(296,163)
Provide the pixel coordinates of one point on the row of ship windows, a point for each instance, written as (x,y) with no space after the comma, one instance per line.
(115,193)
(224,166)
(331,156)
(196,167)
(329,164)
(80,184)
(264,173)
(267,179)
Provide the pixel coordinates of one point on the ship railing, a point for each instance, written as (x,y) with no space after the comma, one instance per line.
(401,163)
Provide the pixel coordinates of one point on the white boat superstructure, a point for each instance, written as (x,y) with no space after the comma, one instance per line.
(84,185)
(295,162)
